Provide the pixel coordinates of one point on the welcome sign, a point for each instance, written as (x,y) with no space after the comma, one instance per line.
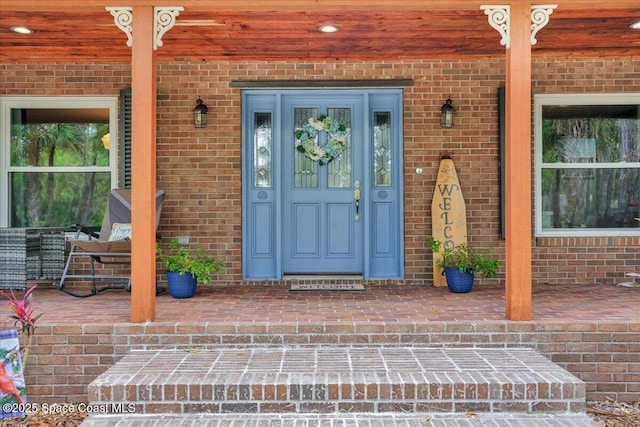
(448,214)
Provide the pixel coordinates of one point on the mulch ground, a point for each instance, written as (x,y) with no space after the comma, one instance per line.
(41,419)
(609,413)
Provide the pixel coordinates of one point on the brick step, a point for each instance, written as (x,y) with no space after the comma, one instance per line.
(339,380)
(343,420)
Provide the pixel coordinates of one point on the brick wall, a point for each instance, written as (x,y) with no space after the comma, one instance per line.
(66,358)
(200,168)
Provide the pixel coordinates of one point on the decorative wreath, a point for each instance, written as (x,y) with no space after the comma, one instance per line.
(336,141)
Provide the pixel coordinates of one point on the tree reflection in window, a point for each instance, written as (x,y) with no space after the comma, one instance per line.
(59,172)
(590,173)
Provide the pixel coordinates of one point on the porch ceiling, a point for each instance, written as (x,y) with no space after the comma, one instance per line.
(288,30)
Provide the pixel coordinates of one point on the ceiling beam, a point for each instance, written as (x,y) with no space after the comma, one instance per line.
(304,5)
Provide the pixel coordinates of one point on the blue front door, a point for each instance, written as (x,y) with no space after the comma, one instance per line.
(322,198)
(322,226)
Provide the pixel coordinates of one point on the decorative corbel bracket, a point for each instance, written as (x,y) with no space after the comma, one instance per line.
(540,18)
(499,19)
(164,19)
(123,18)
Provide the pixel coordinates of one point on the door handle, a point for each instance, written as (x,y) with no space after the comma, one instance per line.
(356,197)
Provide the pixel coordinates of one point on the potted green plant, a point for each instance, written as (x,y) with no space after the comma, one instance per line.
(186,268)
(462,263)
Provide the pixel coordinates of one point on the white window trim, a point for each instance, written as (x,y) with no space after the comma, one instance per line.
(575,99)
(9,102)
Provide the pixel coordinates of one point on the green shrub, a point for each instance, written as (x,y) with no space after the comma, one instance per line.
(465,258)
(180,259)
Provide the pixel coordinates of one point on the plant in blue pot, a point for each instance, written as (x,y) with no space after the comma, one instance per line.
(186,268)
(461,263)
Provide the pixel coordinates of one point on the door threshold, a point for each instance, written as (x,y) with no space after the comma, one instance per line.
(319,277)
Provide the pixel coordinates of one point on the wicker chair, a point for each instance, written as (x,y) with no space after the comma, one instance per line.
(34,253)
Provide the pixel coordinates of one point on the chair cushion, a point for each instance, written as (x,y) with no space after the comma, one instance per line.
(120,231)
(101,247)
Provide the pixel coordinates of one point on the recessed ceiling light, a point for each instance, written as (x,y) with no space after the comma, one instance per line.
(21,30)
(635,25)
(328,29)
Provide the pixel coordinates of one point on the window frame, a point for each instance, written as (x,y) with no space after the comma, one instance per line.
(7,103)
(541,100)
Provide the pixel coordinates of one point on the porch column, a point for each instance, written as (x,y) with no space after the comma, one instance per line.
(518,23)
(143,166)
(144,27)
(518,165)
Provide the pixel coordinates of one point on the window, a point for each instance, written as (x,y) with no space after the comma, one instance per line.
(262,149)
(59,160)
(382,148)
(587,156)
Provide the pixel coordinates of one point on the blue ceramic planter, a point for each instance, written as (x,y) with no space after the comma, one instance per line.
(181,285)
(457,281)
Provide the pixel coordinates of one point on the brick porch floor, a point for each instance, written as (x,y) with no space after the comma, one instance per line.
(377,303)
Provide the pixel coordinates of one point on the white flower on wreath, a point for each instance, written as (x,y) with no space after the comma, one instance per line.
(336,139)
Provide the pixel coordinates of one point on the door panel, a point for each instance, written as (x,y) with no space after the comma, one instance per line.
(326,238)
(341,230)
(383,219)
(305,238)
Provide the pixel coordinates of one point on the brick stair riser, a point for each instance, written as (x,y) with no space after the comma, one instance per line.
(167,407)
(341,397)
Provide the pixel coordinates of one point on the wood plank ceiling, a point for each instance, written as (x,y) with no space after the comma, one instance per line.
(291,34)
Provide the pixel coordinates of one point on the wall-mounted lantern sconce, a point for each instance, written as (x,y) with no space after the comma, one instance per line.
(446,114)
(200,114)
